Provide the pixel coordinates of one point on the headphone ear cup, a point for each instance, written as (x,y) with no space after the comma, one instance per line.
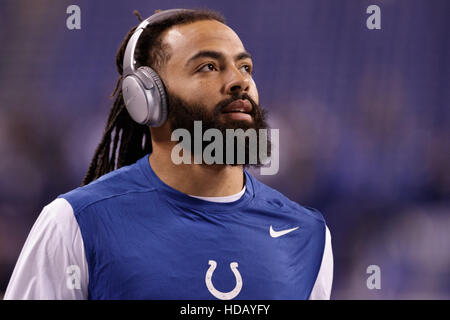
(154,79)
(145,97)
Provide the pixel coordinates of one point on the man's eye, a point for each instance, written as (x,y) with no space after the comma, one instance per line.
(207,67)
(246,68)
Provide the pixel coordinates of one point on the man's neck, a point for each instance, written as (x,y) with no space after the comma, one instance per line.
(196,179)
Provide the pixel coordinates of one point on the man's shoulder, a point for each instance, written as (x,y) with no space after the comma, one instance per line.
(125,181)
(274,198)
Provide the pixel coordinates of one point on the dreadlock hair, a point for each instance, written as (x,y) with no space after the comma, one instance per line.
(124,141)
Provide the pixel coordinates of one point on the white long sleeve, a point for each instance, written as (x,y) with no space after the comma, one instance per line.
(324,281)
(52,263)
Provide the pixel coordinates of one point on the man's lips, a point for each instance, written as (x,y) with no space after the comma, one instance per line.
(242,106)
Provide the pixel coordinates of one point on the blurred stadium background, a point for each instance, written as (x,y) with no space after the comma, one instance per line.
(363,115)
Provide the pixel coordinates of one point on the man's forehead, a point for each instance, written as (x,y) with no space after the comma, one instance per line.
(200,35)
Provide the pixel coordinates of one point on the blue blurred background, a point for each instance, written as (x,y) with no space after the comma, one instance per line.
(363,116)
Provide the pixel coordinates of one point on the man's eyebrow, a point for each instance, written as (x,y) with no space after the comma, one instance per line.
(243,55)
(217,55)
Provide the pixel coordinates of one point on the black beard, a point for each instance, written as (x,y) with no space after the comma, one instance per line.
(182,116)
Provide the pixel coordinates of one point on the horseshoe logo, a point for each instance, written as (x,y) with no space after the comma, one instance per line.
(218,294)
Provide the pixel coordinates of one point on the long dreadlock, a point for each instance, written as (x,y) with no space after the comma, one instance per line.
(125,141)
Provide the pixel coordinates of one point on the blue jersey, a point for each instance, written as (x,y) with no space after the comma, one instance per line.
(146,240)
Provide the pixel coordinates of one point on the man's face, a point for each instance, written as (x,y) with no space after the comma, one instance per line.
(208,66)
(208,78)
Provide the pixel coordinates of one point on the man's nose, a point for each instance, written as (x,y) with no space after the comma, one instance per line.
(237,82)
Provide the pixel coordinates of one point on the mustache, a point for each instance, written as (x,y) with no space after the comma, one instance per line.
(224,103)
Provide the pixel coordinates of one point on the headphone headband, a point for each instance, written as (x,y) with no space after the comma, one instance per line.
(129,64)
(143,90)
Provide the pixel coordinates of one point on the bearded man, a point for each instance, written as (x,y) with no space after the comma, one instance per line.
(145,227)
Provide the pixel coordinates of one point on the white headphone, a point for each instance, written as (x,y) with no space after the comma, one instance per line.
(142,88)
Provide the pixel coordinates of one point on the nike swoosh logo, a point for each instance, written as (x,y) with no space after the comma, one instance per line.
(276,234)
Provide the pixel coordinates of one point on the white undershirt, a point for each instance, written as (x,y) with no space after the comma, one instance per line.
(52,263)
(223,199)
